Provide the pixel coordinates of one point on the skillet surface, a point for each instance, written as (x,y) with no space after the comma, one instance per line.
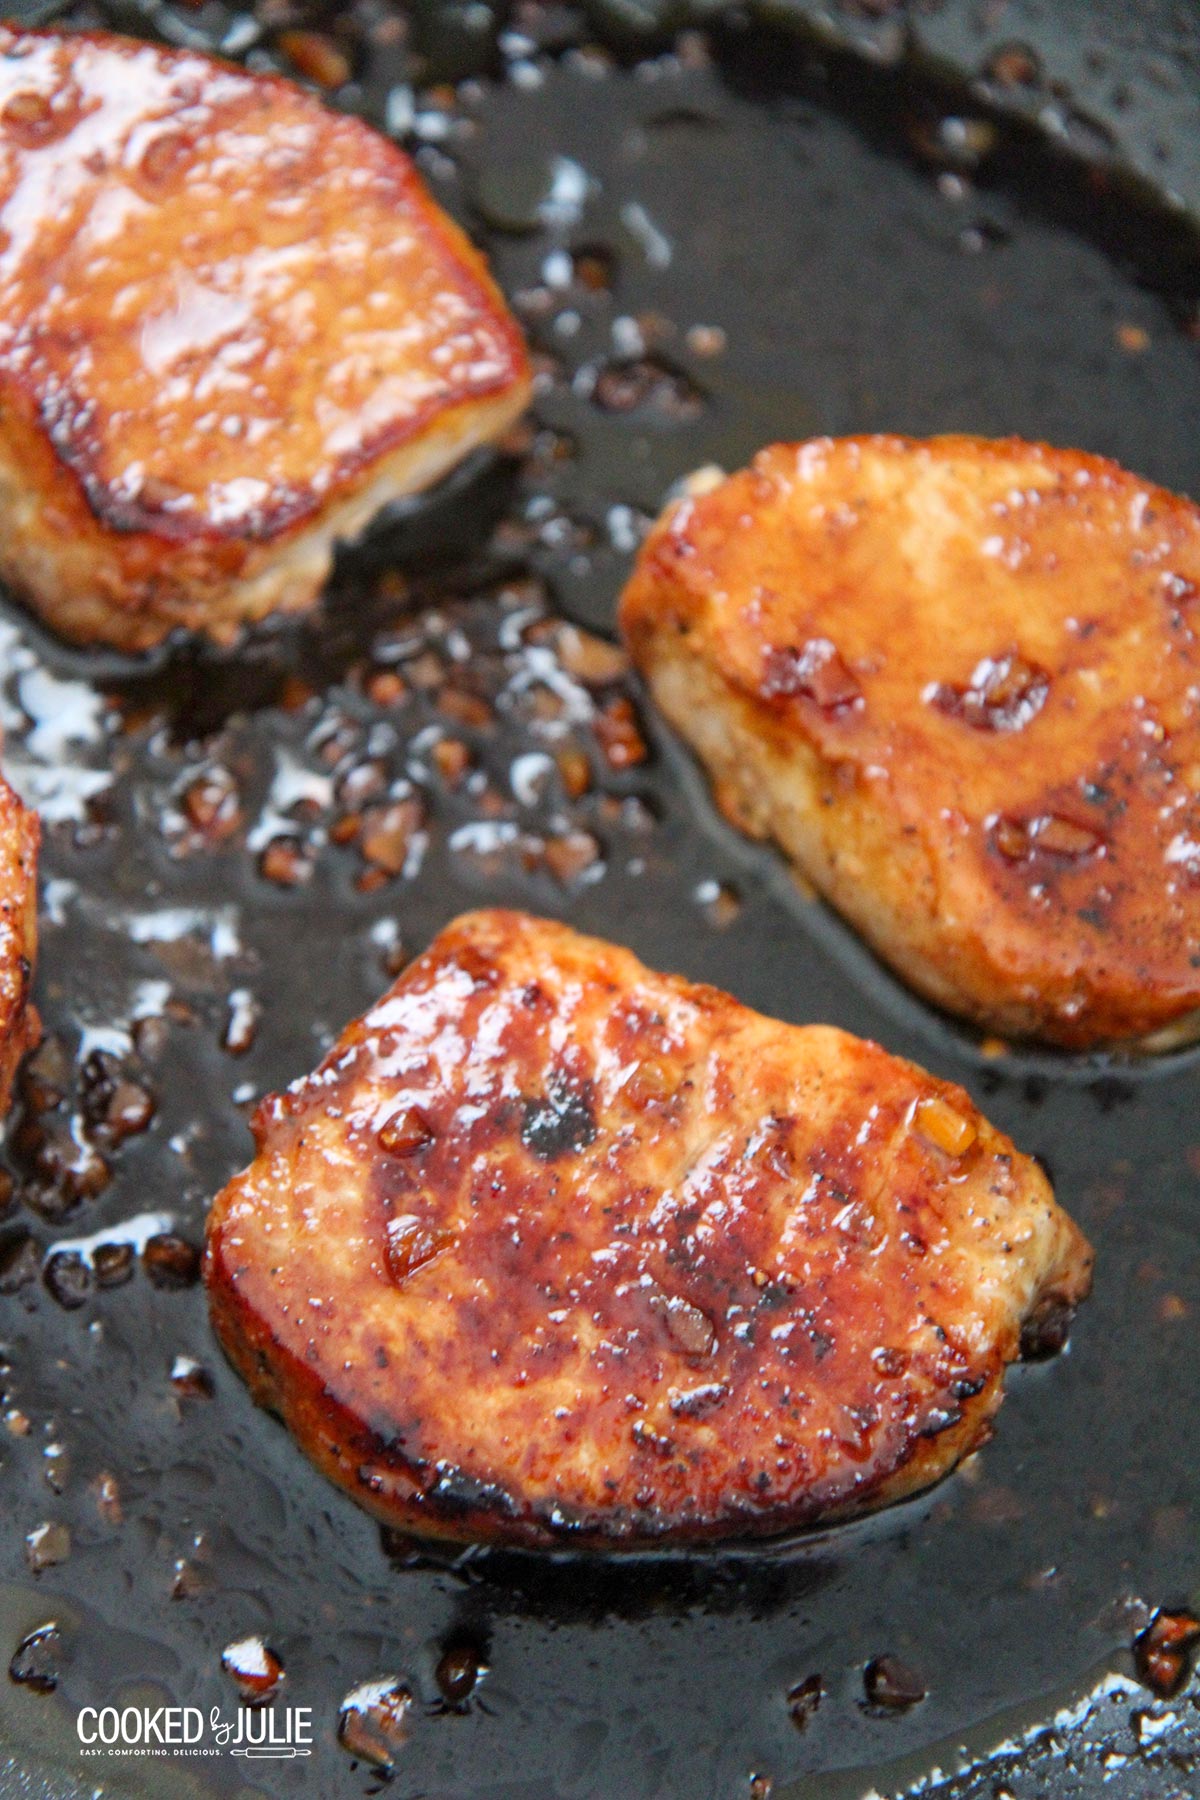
(719,245)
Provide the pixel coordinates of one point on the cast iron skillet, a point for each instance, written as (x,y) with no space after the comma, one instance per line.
(729,240)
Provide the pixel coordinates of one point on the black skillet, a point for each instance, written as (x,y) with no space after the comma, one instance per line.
(713,241)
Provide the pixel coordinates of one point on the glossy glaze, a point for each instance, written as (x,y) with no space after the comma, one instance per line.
(958,681)
(222,306)
(554,1247)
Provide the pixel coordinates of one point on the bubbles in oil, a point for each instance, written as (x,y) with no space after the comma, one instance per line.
(373,1721)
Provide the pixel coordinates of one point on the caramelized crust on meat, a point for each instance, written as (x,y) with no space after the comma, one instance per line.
(957,681)
(20,1028)
(232,325)
(552,1247)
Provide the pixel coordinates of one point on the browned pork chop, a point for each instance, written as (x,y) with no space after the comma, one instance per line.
(232,325)
(958,682)
(551,1247)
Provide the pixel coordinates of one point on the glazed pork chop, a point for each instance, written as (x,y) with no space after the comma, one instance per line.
(957,682)
(19,1025)
(552,1247)
(232,325)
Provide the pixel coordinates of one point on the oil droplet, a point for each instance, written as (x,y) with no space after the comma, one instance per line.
(35,1661)
(241,1027)
(255,1670)
(186,1579)
(459,1672)
(57,1469)
(719,902)
(190,1379)
(372,1721)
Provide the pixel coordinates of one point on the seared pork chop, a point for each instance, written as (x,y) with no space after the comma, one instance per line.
(551,1247)
(957,682)
(232,325)
(19,1025)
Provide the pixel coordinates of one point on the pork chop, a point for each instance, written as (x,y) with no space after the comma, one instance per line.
(553,1248)
(232,325)
(957,682)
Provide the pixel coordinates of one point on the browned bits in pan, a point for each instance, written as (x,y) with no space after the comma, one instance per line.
(106,1490)
(571,856)
(20,1262)
(170,1261)
(190,1380)
(650,384)
(617,732)
(803,1701)
(388,833)
(47,1545)
(891,1685)
(69,1279)
(287,862)
(316,56)
(1163,1652)
(460,1669)
(113,1264)
(211,805)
